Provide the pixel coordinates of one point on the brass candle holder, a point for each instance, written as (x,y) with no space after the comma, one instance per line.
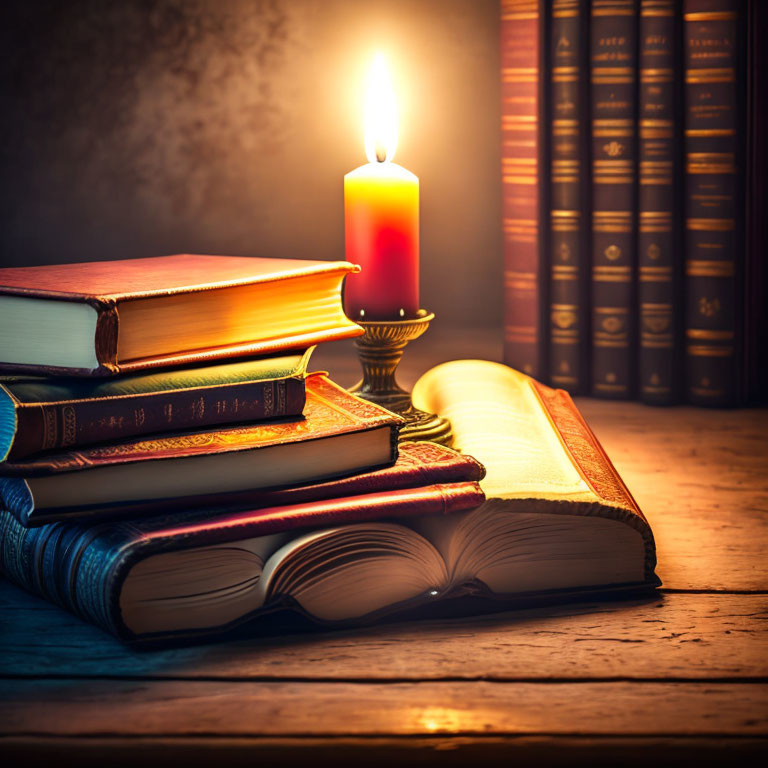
(380,351)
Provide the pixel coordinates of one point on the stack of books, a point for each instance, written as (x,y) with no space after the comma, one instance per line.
(168,466)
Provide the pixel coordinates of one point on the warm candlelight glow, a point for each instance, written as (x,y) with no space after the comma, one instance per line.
(380,114)
(381,211)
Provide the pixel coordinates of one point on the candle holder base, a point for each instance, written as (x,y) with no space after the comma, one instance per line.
(380,351)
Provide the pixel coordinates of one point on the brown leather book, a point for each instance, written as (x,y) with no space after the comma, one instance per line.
(109,317)
(659,242)
(613,74)
(569,184)
(715,170)
(40,413)
(339,435)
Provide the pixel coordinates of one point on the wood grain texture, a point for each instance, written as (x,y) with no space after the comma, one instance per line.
(701,478)
(679,636)
(445,751)
(108,707)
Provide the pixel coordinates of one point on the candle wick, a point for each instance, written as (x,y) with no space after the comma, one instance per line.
(381,152)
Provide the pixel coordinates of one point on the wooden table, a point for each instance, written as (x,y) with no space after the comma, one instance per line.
(679,677)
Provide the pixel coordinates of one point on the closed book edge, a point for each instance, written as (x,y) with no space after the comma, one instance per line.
(155,277)
(39,414)
(82,568)
(330,410)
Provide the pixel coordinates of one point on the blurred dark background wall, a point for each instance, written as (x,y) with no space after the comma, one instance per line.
(143,127)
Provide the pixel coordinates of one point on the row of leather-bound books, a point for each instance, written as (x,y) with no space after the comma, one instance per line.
(633,163)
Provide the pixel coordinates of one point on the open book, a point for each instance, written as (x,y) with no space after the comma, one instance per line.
(543,462)
(557,519)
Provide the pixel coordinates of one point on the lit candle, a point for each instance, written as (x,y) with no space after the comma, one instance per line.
(381,212)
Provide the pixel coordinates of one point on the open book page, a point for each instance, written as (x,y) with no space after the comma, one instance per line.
(354,570)
(197,587)
(497,418)
(532,551)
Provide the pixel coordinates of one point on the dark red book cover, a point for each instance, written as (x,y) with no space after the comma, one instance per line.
(417,464)
(523,130)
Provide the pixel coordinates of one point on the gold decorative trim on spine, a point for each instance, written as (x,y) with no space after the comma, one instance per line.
(702,268)
(703,350)
(710,225)
(711,16)
(707,335)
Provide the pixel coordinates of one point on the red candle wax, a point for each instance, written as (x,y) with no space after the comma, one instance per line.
(381,209)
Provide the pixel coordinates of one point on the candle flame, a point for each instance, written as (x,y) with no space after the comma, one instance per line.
(380,114)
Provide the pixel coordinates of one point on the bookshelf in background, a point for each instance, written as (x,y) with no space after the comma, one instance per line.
(658,244)
(714,202)
(569,196)
(613,73)
(648,277)
(523,209)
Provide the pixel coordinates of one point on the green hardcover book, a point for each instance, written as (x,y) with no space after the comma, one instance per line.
(44,414)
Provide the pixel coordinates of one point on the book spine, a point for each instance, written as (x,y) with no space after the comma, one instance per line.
(71,566)
(522,23)
(50,426)
(613,62)
(714,205)
(657,240)
(569,195)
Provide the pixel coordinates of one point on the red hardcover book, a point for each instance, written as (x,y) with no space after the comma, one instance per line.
(104,318)
(417,464)
(340,435)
